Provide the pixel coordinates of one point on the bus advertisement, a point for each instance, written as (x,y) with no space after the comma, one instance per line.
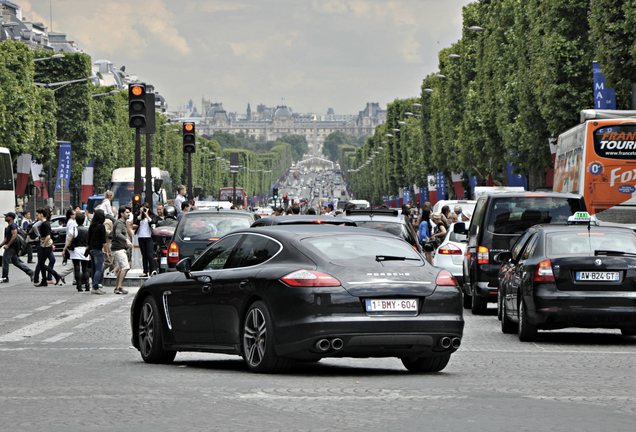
(7,189)
(597,159)
(225,194)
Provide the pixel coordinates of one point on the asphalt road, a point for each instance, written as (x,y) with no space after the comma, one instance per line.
(67,365)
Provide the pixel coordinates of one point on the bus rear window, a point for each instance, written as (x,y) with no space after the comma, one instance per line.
(616,142)
(515,215)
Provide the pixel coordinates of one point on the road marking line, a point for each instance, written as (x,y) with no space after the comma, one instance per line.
(64,317)
(21,316)
(58,337)
(43,308)
(83,325)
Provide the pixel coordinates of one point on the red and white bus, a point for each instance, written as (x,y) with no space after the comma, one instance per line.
(597,159)
(225,194)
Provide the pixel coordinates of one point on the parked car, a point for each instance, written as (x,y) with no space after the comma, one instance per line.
(302,292)
(569,276)
(498,221)
(196,230)
(391,221)
(58,231)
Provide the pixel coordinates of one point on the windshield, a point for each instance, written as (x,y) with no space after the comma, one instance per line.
(582,243)
(350,250)
(515,215)
(204,227)
(392,228)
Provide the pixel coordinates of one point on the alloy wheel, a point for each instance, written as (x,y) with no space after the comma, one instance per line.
(255,337)
(146,329)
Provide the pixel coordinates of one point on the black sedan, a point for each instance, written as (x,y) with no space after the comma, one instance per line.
(302,220)
(569,276)
(302,292)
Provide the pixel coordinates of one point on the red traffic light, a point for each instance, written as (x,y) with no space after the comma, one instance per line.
(188,127)
(137,90)
(137,198)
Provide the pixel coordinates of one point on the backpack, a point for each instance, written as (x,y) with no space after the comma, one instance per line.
(21,245)
(30,232)
(81,240)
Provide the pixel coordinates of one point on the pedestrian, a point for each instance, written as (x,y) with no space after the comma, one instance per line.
(97,248)
(78,241)
(18,220)
(11,252)
(424,231)
(120,245)
(70,223)
(329,210)
(310,211)
(46,244)
(107,205)
(458,210)
(439,231)
(35,234)
(185,206)
(452,218)
(144,237)
(26,223)
(110,266)
(466,215)
(445,212)
(181,193)
(160,216)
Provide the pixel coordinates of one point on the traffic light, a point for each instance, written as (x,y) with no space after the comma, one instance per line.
(189,138)
(137,105)
(275,192)
(136,204)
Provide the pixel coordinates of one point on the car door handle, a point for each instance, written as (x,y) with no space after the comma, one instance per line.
(206,288)
(243,283)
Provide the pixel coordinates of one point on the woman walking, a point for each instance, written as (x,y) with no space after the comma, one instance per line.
(97,246)
(46,244)
(144,234)
(76,243)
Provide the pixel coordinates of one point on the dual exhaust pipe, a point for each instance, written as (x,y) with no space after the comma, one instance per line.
(447,342)
(324,345)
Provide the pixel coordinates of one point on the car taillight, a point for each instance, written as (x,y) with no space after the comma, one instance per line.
(449,249)
(444,278)
(309,278)
(543,272)
(482,255)
(173,253)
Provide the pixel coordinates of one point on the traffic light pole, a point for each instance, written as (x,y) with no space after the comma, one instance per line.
(190,197)
(138,181)
(148,172)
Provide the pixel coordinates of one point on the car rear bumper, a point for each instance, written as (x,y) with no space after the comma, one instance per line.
(591,312)
(486,290)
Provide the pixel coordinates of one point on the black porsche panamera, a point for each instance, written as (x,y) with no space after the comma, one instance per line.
(303,292)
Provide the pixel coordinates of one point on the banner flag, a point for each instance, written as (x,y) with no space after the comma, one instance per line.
(64,166)
(87,182)
(24,167)
(39,182)
(604,97)
(440,181)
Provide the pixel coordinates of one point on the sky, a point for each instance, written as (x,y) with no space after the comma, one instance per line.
(310,55)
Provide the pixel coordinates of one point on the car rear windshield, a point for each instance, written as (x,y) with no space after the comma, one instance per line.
(582,243)
(202,227)
(515,215)
(351,249)
(395,228)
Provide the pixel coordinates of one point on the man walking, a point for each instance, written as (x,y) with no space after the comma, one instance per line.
(10,246)
(120,246)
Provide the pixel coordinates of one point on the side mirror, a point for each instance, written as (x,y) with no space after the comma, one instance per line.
(460,228)
(183,266)
(504,257)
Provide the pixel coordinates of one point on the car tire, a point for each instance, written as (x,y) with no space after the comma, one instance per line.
(628,331)
(258,342)
(499,304)
(527,331)
(479,305)
(426,364)
(507,326)
(149,333)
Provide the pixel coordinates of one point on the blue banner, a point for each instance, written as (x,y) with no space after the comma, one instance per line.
(604,97)
(440,180)
(64,165)
(516,179)
(423,195)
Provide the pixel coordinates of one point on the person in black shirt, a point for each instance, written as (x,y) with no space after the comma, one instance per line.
(11,249)
(97,246)
(46,242)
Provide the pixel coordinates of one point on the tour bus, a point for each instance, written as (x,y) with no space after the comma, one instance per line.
(225,194)
(7,189)
(122,184)
(597,159)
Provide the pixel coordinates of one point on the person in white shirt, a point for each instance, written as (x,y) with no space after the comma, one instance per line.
(181,193)
(144,236)
(106,205)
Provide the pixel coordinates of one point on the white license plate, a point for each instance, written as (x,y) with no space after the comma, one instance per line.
(597,276)
(164,260)
(384,305)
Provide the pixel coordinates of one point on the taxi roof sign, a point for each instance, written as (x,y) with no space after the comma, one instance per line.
(582,218)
